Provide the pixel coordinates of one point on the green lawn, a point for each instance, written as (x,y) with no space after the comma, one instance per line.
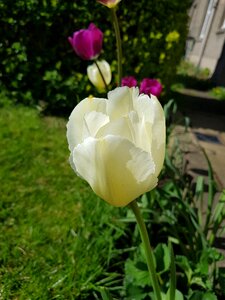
(56,236)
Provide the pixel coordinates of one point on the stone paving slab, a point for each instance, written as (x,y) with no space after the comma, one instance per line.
(213,126)
(207,131)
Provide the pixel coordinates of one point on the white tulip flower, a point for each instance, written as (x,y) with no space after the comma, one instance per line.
(95,76)
(118,144)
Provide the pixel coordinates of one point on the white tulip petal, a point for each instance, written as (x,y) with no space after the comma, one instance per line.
(94,121)
(129,127)
(116,170)
(76,126)
(152,113)
(149,108)
(157,149)
(159,126)
(142,135)
(139,156)
(120,102)
(119,127)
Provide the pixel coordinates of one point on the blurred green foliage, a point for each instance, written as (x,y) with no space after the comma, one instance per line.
(188,69)
(38,64)
(218,92)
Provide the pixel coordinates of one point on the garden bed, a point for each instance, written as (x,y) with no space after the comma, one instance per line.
(198,100)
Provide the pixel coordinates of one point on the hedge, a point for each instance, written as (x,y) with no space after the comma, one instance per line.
(39,66)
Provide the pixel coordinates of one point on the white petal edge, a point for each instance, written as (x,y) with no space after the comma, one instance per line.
(76,127)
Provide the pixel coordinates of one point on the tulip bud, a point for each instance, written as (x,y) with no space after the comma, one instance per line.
(151,86)
(118,144)
(109,3)
(96,78)
(129,81)
(87,43)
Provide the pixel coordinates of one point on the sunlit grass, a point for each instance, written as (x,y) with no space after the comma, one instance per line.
(56,235)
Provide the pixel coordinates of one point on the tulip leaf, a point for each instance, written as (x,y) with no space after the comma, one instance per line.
(172,289)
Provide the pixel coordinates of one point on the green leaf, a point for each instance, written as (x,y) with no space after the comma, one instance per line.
(199,189)
(135,293)
(183,263)
(136,274)
(222,279)
(219,211)
(197,280)
(208,258)
(162,256)
(203,296)
(178,295)
(218,217)
(211,192)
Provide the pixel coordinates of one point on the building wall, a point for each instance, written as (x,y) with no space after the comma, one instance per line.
(206,39)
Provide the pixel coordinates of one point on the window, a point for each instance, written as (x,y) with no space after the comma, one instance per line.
(223,24)
(208,18)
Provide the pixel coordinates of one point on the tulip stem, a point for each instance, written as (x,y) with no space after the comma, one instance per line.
(148,249)
(118,43)
(103,78)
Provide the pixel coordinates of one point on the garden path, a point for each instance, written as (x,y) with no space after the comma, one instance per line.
(206,131)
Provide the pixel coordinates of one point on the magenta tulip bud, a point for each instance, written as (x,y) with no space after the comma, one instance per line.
(87,43)
(129,81)
(151,86)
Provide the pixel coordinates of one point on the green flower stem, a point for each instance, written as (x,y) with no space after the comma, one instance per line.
(148,250)
(103,78)
(118,43)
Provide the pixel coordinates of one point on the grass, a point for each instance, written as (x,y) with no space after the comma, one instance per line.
(56,236)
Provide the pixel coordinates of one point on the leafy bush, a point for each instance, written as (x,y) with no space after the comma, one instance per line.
(187,68)
(218,92)
(190,76)
(38,64)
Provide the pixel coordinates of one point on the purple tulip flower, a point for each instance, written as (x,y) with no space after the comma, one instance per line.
(129,81)
(87,43)
(151,86)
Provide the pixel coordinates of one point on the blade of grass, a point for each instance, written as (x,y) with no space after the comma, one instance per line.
(199,190)
(105,294)
(217,218)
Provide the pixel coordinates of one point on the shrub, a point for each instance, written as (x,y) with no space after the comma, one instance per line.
(38,64)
